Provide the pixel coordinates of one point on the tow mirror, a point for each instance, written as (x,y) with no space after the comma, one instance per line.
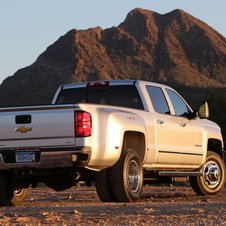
(203,110)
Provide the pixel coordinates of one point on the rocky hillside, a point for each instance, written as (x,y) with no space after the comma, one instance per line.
(173,48)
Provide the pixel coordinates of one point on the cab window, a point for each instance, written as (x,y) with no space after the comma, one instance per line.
(158,99)
(119,95)
(180,107)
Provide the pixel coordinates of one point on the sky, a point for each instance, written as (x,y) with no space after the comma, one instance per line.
(28,27)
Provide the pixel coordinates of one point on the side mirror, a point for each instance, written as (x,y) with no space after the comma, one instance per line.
(203,110)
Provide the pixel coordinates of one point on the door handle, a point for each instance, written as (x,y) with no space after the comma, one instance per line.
(183,124)
(160,121)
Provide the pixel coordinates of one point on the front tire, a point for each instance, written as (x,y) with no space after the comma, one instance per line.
(213,180)
(127,177)
(8,195)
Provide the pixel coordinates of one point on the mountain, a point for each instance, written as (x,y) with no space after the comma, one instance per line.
(175,48)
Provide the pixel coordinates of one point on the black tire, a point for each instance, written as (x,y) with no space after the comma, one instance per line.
(8,195)
(104,186)
(213,180)
(127,177)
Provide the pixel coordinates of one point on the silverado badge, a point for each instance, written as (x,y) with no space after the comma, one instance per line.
(23,129)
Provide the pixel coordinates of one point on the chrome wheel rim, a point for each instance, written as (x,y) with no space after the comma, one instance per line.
(134,176)
(18,192)
(212,174)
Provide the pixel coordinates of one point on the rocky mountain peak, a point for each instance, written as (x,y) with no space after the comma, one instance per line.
(174,47)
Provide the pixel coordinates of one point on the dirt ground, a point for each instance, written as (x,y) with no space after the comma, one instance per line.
(165,205)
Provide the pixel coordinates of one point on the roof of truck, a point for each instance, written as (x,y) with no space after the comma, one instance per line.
(107,82)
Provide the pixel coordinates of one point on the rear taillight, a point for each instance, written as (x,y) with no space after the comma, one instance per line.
(83,124)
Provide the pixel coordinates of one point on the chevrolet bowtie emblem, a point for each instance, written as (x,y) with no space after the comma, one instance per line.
(23,129)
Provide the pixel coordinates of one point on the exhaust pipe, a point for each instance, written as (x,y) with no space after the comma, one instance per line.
(75,174)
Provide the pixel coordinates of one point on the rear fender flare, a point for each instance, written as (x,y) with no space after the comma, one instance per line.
(108,135)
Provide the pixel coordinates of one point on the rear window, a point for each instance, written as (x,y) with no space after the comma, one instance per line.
(123,96)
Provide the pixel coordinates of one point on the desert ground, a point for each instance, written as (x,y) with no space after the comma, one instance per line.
(80,206)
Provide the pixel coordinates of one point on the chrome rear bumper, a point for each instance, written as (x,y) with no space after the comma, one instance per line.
(52,159)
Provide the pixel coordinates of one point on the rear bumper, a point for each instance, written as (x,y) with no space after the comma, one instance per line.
(47,159)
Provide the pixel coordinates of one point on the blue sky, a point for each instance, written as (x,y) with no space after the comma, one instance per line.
(28,27)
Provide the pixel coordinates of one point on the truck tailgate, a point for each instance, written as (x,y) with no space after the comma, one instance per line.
(39,126)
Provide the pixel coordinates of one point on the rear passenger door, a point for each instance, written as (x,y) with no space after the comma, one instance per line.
(167,128)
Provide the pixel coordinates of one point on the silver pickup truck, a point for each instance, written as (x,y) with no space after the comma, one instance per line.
(118,134)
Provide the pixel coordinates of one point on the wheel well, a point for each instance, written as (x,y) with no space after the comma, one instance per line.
(215,146)
(135,141)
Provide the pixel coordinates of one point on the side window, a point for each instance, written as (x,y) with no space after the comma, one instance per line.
(179,106)
(158,99)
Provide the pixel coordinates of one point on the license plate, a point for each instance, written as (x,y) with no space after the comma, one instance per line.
(25,157)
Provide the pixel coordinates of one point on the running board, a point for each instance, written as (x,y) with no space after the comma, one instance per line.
(180,174)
